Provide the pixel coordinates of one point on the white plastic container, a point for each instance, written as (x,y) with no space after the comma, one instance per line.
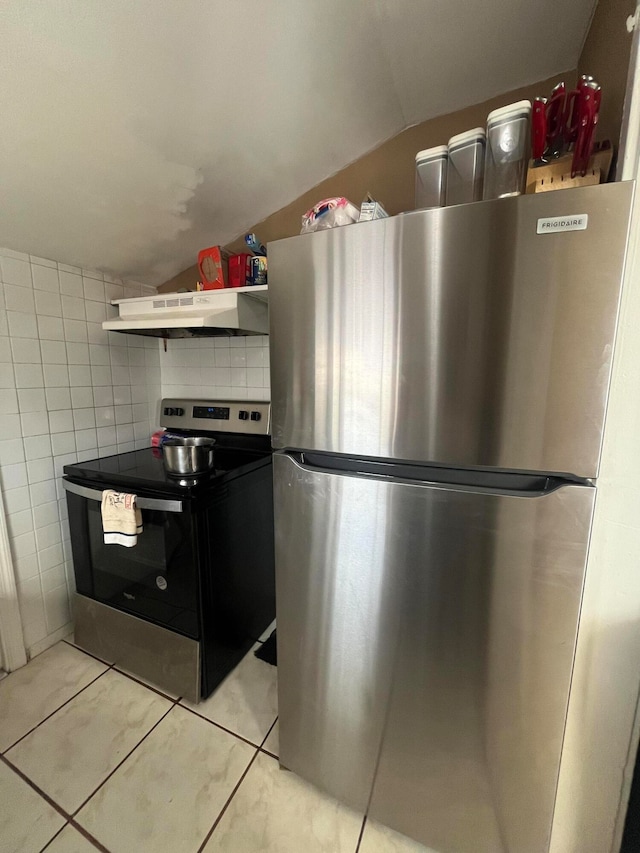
(507,153)
(431,177)
(466,166)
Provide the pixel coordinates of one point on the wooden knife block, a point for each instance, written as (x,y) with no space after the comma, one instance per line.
(556,174)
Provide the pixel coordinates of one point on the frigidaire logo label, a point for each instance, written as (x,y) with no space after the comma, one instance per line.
(553,224)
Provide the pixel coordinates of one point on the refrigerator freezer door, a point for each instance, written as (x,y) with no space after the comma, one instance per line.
(458,336)
(426,636)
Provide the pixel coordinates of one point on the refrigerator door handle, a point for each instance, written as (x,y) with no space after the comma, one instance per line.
(448,479)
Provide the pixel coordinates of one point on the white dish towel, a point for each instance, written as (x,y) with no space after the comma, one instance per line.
(121,518)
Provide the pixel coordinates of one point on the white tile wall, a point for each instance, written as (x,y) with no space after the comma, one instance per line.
(68,392)
(234,368)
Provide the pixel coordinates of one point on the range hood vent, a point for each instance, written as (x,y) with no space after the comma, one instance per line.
(210,313)
(173,302)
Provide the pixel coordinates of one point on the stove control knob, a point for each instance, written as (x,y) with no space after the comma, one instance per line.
(255,416)
(168,411)
(243,415)
(178,412)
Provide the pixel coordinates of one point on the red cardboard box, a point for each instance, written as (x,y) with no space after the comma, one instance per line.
(239,270)
(213,267)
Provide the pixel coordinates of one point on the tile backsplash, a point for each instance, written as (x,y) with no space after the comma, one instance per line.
(68,391)
(234,368)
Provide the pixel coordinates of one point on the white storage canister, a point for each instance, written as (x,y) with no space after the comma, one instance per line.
(466,166)
(507,154)
(431,177)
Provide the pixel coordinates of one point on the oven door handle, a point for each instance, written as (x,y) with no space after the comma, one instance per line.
(141,503)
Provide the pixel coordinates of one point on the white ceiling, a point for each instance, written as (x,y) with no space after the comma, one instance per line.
(135,132)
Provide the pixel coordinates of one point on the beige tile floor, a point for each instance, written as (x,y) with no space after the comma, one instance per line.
(92,759)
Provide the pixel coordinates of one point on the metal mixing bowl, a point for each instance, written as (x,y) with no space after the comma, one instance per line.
(188,455)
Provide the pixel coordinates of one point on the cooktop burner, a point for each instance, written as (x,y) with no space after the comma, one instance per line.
(144,469)
(241,432)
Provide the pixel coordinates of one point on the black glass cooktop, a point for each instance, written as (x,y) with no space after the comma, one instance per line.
(144,469)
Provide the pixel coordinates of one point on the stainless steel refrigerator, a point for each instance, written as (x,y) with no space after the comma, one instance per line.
(439,389)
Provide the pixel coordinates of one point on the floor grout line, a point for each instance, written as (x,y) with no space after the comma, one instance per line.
(37,789)
(131,751)
(240,780)
(270,754)
(51,840)
(364,822)
(264,740)
(224,728)
(268,733)
(226,805)
(44,720)
(88,836)
(148,686)
(85,652)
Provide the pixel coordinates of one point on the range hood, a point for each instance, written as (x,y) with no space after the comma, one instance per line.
(208,313)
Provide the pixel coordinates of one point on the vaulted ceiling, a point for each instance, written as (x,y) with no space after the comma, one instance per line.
(135,132)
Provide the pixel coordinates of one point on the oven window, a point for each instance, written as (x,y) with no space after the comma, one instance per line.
(156,579)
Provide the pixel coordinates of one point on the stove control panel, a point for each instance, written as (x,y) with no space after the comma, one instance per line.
(244,416)
(211,413)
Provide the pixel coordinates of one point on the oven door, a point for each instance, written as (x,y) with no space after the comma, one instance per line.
(156,579)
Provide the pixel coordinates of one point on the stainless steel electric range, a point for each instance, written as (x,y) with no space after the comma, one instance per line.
(183,606)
